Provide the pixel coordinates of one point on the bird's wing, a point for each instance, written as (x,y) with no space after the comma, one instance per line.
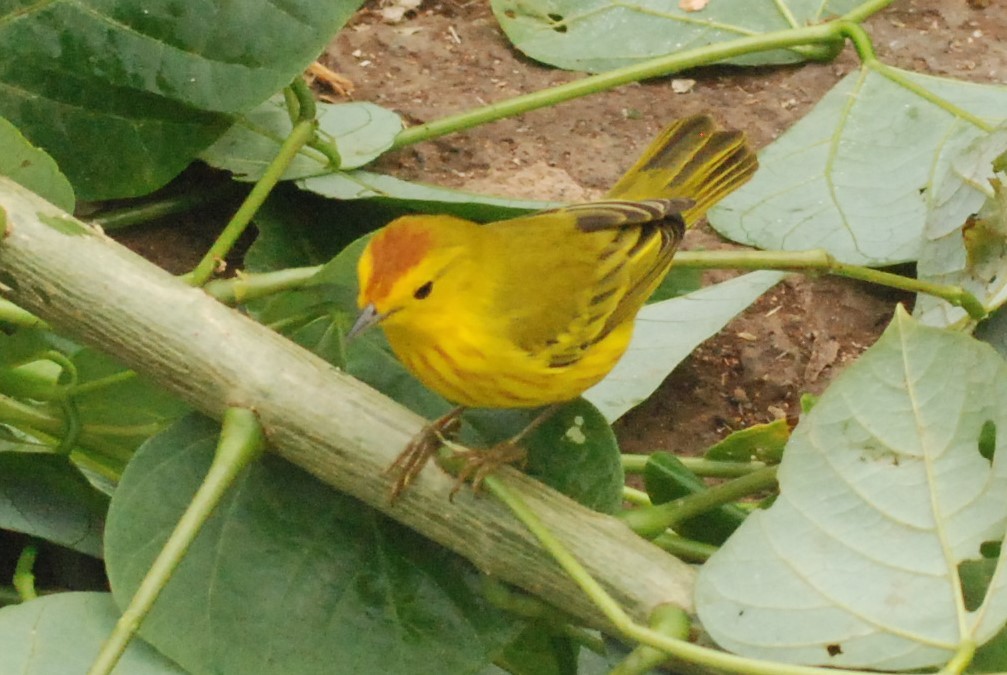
(572,275)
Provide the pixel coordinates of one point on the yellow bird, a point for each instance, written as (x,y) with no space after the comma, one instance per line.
(534,310)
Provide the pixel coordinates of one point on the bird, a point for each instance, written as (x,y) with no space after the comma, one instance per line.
(532,311)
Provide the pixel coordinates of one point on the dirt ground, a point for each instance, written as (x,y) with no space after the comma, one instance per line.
(448,57)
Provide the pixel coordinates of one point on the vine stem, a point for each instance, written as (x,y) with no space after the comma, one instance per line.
(699,466)
(241,442)
(300,135)
(636,632)
(830,32)
(651,521)
(821,260)
(24,574)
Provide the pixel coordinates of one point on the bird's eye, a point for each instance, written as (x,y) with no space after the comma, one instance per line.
(423,291)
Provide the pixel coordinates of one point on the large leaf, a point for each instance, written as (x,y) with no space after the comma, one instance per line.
(47,497)
(885,489)
(666,332)
(289,576)
(419,197)
(124,93)
(62,633)
(854,175)
(966,234)
(597,35)
(32,168)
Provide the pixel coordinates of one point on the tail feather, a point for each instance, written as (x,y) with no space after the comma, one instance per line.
(691,159)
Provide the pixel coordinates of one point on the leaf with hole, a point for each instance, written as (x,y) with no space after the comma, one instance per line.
(966,233)
(599,35)
(855,175)
(884,493)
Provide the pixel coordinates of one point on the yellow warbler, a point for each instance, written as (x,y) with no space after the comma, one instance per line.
(534,310)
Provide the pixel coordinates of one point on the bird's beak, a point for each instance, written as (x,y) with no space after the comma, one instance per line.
(369,316)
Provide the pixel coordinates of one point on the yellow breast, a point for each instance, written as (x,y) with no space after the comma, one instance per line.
(480,370)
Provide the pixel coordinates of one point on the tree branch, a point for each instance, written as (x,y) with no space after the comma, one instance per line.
(338,429)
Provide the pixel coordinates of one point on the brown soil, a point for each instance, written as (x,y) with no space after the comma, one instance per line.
(451,56)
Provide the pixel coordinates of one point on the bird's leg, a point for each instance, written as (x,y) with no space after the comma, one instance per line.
(477,464)
(424,445)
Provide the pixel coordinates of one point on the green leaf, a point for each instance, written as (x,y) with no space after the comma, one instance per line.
(667,478)
(666,332)
(854,175)
(883,492)
(298,229)
(125,93)
(599,35)
(574,451)
(418,197)
(32,168)
(966,242)
(360,132)
(290,576)
(47,497)
(539,651)
(61,633)
(757,443)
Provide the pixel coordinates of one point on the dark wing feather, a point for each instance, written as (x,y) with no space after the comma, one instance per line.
(575,274)
(605,259)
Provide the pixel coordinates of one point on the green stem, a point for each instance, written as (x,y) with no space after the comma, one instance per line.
(72,425)
(651,521)
(666,65)
(869,8)
(14,315)
(245,287)
(961,660)
(17,413)
(241,442)
(666,620)
(24,575)
(819,260)
(899,77)
(103,382)
(167,206)
(681,649)
(688,550)
(856,34)
(299,136)
(635,497)
(301,105)
(532,608)
(701,467)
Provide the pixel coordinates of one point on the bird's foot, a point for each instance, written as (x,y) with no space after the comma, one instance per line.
(475,465)
(421,448)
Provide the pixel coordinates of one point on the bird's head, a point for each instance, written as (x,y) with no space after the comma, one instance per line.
(404,268)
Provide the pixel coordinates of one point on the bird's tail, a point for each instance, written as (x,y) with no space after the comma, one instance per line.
(691,159)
